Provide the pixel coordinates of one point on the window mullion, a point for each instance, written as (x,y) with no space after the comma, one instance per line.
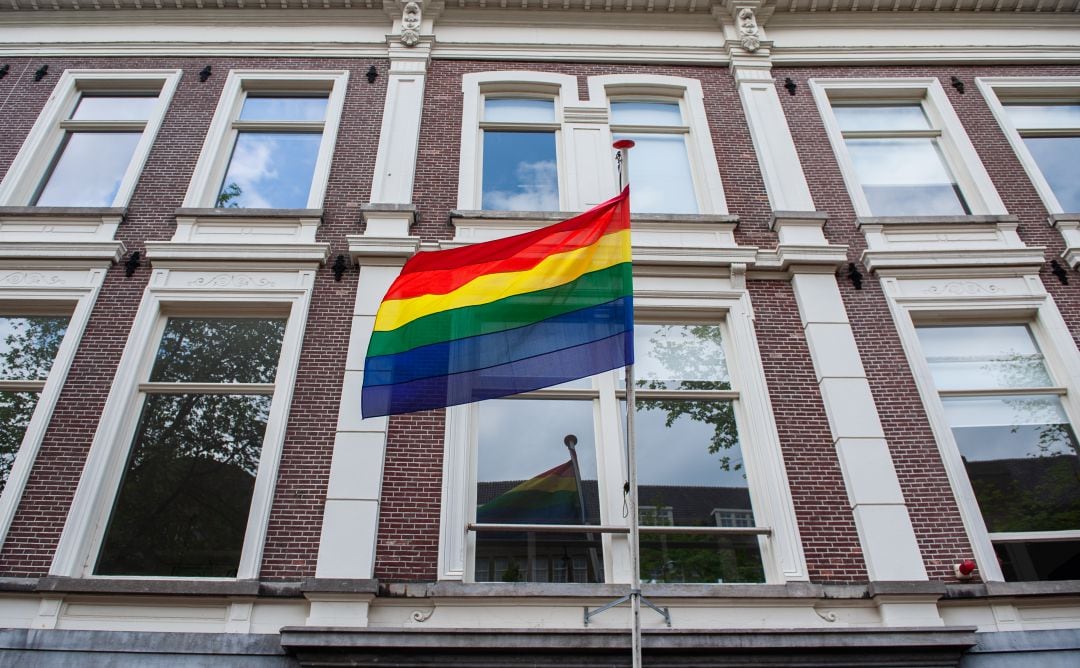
(651,129)
(891,134)
(103,126)
(279,126)
(21,385)
(1000,392)
(207,388)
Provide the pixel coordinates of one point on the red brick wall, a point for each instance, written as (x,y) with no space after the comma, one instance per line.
(933,509)
(292,543)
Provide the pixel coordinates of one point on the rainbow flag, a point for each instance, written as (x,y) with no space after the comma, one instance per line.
(549,498)
(505,316)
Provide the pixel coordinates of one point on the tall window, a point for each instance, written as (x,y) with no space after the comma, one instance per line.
(1018,446)
(660,168)
(183,504)
(28,346)
(1051,133)
(520,163)
(276,147)
(538,463)
(99,141)
(898,161)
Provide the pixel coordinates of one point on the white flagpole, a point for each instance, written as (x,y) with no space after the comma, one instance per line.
(624,146)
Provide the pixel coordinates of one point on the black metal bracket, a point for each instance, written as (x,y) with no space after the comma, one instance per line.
(854,275)
(133,263)
(340,267)
(958,85)
(4,70)
(205,73)
(41,72)
(1059,271)
(372,74)
(790,85)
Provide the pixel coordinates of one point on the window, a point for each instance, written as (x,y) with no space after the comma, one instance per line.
(1018,447)
(553,457)
(271,141)
(902,150)
(182,507)
(28,346)
(1051,135)
(91,140)
(898,160)
(520,170)
(659,165)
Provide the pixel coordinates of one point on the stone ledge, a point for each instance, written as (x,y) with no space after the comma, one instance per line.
(791,590)
(18,584)
(907,588)
(62,211)
(1012,589)
(934,220)
(133,643)
(339,586)
(152,586)
(557,216)
(250,213)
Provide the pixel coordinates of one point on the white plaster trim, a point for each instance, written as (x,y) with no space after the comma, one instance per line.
(72,291)
(168,289)
(994,89)
(38,149)
(220,137)
(979,297)
(960,155)
(687,91)
(399,138)
(560,87)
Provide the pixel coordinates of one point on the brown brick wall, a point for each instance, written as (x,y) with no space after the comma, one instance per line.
(295,521)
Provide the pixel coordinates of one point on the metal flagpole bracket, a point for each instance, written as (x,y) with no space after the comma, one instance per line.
(663,612)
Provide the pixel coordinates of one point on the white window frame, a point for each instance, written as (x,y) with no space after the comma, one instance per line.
(31,165)
(997,90)
(475,88)
(54,292)
(185,293)
(687,92)
(982,301)
(959,153)
(218,147)
(782,555)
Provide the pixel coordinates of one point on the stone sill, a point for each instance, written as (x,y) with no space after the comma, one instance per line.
(262,214)
(934,220)
(158,586)
(61,211)
(1012,589)
(557,216)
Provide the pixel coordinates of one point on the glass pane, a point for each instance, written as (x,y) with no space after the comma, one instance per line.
(183,503)
(28,345)
(283,109)
(1056,560)
(520,171)
(114,108)
(984,357)
(887,118)
(1044,116)
(16,408)
(519,110)
(1057,159)
(690,466)
(660,174)
(218,350)
(1021,457)
(89,169)
(270,170)
(527,474)
(905,177)
(646,113)
(680,357)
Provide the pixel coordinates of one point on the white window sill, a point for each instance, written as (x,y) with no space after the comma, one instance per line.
(247,226)
(61,233)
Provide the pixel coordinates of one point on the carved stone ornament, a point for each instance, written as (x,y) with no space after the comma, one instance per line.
(962,289)
(749,34)
(34,278)
(410,24)
(231,281)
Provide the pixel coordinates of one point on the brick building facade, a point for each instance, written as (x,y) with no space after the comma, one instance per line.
(855,250)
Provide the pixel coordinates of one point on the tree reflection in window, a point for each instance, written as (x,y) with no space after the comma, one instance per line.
(28,346)
(183,503)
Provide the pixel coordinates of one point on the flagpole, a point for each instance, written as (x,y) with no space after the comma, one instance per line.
(631,491)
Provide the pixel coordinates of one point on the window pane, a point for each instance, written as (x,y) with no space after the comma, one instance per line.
(520,171)
(660,175)
(183,504)
(690,460)
(219,350)
(1021,457)
(905,177)
(1044,116)
(519,110)
(981,358)
(1057,159)
(114,108)
(270,170)
(16,408)
(873,117)
(526,474)
(680,357)
(646,113)
(89,169)
(28,345)
(283,109)
(1057,560)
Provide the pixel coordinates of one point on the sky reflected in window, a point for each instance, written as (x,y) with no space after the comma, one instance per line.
(520,172)
(270,170)
(89,169)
